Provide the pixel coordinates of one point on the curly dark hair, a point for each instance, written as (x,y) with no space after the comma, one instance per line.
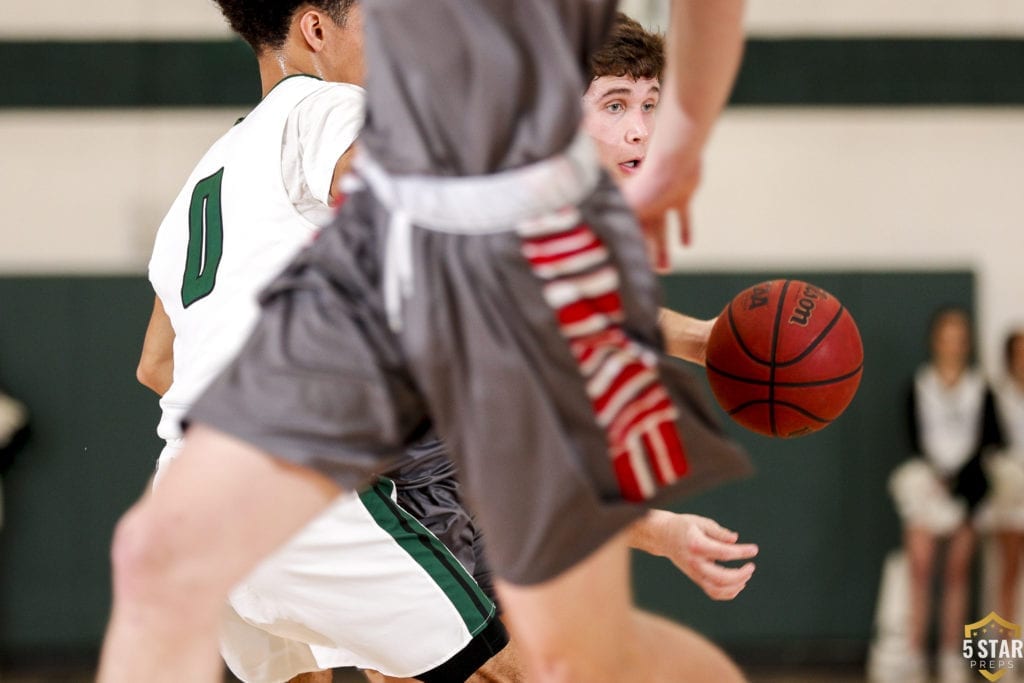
(630,50)
(264,23)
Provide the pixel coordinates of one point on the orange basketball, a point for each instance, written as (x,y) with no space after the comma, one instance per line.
(784,358)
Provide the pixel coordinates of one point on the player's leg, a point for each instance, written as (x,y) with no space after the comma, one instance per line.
(178,552)
(501,668)
(377,677)
(314,677)
(505,667)
(565,639)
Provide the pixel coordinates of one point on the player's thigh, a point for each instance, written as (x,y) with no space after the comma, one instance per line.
(559,619)
(219,477)
(681,655)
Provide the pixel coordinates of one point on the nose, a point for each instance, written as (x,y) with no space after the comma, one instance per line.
(637,131)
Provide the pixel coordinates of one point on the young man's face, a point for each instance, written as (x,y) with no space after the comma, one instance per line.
(618,113)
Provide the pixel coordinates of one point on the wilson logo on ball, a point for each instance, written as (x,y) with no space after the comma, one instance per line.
(805,305)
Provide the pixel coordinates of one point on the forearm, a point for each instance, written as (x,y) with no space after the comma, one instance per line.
(704,50)
(685,337)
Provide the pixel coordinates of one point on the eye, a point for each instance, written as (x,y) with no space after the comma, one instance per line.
(649,106)
(614,107)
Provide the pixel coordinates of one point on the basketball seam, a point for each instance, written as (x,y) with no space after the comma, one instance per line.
(739,339)
(774,347)
(787,404)
(766,382)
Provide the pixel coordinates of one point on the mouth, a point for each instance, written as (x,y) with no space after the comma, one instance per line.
(631,166)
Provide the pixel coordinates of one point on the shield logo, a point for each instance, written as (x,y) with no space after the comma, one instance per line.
(992,628)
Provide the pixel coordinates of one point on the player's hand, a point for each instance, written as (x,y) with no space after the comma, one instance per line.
(660,197)
(696,545)
(661,191)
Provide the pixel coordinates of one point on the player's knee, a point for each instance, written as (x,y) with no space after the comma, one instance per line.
(139,555)
(565,665)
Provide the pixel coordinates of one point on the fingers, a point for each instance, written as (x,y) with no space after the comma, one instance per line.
(656,243)
(714,530)
(684,229)
(677,222)
(722,583)
(719,543)
(717,551)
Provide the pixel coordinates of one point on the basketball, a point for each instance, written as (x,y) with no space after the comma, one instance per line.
(784,358)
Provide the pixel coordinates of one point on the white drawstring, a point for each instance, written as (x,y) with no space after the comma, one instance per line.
(398,267)
(490,203)
(468,205)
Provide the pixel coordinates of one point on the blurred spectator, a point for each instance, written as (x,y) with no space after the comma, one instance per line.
(1004,511)
(952,423)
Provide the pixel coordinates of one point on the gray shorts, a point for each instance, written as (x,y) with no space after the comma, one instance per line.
(524,328)
(427,488)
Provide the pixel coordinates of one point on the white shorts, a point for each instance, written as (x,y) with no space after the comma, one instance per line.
(363,585)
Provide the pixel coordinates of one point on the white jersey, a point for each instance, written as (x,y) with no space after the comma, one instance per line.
(258,196)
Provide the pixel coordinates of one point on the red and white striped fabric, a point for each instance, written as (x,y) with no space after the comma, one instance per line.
(630,403)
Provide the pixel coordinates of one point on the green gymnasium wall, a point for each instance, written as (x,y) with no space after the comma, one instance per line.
(817,506)
(68,349)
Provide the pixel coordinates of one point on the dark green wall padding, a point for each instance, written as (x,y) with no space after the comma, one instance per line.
(837,71)
(68,349)
(817,506)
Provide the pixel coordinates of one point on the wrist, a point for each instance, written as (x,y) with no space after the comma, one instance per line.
(647,533)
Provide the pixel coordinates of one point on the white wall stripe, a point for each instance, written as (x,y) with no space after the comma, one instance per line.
(777,18)
(783,189)
(111,19)
(84,192)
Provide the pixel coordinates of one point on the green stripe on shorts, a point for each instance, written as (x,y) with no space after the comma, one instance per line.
(473,605)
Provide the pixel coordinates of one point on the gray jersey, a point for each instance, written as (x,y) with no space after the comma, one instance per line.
(515,309)
(498,85)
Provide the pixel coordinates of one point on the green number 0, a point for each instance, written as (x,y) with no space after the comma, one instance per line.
(205,240)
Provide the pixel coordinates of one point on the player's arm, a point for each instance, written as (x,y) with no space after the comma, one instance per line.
(156,364)
(340,169)
(696,545)
(685,337)
(704,47)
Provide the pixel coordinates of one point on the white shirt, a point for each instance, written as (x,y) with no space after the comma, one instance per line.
(949,418)
(256,198)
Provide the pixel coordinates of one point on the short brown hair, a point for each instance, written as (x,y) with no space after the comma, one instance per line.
(630,51)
